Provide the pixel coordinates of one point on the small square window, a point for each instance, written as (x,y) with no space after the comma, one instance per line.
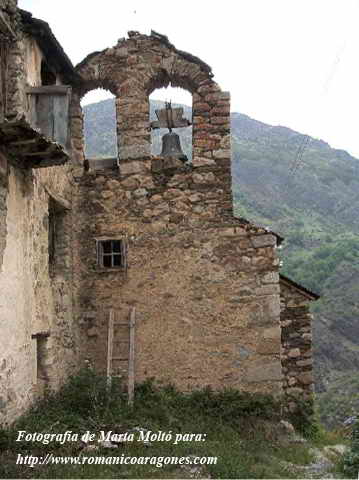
(112,253)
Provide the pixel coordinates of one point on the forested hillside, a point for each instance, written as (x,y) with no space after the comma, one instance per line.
(306,191)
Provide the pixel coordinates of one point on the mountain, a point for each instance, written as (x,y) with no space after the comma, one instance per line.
(303,189)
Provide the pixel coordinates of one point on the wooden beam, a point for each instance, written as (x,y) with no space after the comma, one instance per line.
(170,118)
(49,90)
(110,347)
(100,158)
(44,154)
(23,142)
(44,334)
(63,203)
(131,360)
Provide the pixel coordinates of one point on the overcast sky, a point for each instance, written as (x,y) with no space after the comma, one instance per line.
(286,62)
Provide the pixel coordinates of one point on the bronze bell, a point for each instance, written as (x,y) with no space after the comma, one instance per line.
(171,146)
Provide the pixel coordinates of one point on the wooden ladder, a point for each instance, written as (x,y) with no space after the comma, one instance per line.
(129,357)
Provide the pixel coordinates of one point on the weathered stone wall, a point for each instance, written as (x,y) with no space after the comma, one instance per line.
(33,299)
(162,191)
(205,284)
(10,14)
(16,310)
(11,17)
(3,206)
(296,345)
(9,59)
(206,291)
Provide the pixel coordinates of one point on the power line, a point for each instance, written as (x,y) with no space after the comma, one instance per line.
(306,139)
(298,159)
(299,155)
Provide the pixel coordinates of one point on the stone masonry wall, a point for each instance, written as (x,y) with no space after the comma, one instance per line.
(296,346)
(206,291)
(36,298)
(9,59)
(3,206)
(16,308)
(162,191)
(205,285)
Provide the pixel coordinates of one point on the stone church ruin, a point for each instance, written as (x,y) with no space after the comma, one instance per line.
(136,264)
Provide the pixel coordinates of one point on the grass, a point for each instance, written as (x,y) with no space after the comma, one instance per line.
(341,400)
(241,430)
(350,461)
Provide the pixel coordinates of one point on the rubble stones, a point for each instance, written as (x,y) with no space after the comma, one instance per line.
(202,162)
(264,241)
(264,372)
(296,346)
(294,353)
(131,167)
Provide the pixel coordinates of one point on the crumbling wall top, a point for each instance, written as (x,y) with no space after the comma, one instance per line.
(151,60)
(186,55)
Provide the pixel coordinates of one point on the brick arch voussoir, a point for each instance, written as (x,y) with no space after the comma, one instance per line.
(175,71)
(97,72)
(94,83)
(163,79)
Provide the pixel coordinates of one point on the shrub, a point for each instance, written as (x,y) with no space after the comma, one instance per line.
(305,419)
(351,458)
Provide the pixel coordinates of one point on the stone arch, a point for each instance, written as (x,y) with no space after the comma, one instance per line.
(76,113)
(138,65)
(178,96)
(103,116)
(163,77)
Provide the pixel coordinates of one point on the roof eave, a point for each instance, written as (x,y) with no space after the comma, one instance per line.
(50,46)
(304,291)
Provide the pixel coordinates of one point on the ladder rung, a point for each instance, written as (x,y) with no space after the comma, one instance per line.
(119,358)
(119,323)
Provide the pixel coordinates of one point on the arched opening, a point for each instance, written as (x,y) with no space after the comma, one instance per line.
(100,126)
(179,98)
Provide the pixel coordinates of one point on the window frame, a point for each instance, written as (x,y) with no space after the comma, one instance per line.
(57,211)
(120,252)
